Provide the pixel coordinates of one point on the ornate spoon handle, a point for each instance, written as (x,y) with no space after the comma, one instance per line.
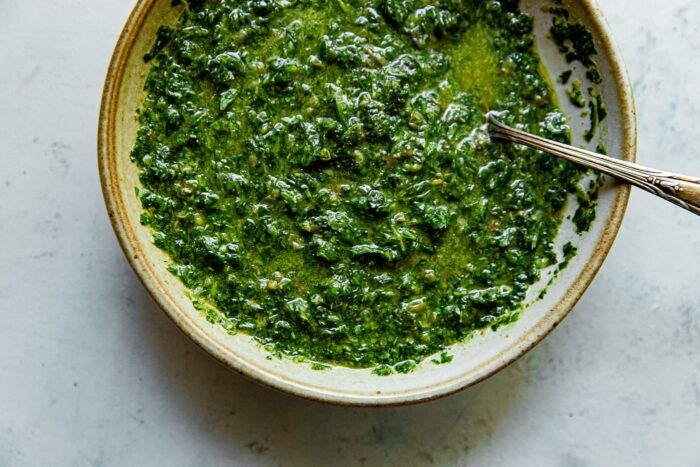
(681,190)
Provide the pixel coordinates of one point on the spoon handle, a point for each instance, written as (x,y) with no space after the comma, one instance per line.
(679,189)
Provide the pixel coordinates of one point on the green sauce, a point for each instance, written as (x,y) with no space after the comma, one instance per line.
(319,173)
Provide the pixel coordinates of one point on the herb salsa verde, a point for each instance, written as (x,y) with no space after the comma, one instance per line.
(319,173)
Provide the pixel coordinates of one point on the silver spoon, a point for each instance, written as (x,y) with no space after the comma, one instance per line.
(679,189)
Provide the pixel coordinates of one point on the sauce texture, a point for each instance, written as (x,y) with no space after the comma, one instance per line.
(319,173)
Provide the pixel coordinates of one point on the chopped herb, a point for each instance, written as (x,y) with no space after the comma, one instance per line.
(575,41)
(318,173)
(565,76)
(575,94)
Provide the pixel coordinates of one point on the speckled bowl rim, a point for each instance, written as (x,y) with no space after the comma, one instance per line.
(127,239)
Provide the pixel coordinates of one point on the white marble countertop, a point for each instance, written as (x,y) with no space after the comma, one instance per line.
(93,374)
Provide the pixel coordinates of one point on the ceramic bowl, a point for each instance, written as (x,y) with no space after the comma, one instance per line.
(473,360)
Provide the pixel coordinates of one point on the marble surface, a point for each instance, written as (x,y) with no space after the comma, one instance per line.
(92,374)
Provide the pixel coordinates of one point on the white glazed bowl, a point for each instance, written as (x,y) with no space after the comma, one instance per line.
(474,360)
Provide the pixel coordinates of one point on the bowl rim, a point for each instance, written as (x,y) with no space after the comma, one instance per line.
(124,231)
